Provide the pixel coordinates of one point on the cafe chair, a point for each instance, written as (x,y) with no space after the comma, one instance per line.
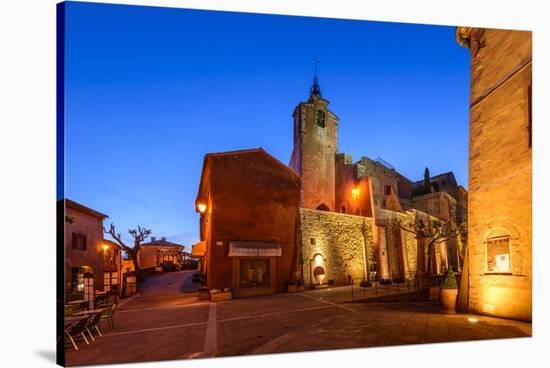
(75,330)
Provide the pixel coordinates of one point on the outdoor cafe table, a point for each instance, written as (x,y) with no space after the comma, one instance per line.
(70,319)
(91,311)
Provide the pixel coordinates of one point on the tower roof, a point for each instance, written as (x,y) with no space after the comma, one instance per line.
(315,87)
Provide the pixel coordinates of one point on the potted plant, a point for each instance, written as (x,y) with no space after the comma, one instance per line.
(219,295)
(449,292)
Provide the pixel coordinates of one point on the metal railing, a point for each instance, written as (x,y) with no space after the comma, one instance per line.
(362,289)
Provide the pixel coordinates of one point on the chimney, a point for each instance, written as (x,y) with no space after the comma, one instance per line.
(153,239)
(163,238)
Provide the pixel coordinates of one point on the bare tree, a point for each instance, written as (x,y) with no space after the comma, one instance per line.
(430,234)
(139,235)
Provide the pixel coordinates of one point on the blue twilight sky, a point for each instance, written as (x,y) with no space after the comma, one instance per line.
(150,90)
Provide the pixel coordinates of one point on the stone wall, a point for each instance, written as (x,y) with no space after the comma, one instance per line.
(395,238)
(402,246)
(343,241)
(500,169)
(445,207)
(381,177)
(313,156)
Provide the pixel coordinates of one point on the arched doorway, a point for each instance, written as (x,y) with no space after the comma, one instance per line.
(322,207)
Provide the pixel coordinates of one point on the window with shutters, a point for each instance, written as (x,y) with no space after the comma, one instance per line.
(79,241)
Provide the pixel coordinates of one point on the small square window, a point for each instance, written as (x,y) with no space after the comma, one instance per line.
(312,241)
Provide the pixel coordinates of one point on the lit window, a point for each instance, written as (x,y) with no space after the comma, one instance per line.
(498,255)
(254,273)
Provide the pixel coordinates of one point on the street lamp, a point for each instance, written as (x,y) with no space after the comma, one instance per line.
(201,207)
(105,247)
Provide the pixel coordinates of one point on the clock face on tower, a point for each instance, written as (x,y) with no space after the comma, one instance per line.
(321,118)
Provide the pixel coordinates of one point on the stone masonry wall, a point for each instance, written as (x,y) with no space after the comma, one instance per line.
(500,170)
(408,241)
(314,153)
(342,240)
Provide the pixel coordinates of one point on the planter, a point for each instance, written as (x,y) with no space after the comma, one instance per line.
(448,300)
(220,296)
(434,293)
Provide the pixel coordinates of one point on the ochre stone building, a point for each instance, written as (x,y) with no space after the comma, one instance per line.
(324,219)
(249,221)
(500,172)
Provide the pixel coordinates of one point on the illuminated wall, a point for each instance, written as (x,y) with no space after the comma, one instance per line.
(339,243)
(500,172)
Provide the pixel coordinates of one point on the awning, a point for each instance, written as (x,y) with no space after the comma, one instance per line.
(254,249)
(199,249)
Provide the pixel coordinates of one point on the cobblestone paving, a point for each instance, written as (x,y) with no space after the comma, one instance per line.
(167,322)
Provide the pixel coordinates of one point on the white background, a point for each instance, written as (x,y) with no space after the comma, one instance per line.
(27,182)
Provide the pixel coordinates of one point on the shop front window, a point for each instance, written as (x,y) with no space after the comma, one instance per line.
(254,273)
(110,281)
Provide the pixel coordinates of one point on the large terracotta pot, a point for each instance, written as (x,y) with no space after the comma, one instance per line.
(448,300)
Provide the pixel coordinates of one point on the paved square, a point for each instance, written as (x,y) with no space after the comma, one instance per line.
(166,321)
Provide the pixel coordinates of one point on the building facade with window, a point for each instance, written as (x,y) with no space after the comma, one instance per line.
(500,172)
(158,252)
(248,205)
(84,247)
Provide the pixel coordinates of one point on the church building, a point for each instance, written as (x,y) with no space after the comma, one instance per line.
(324,219)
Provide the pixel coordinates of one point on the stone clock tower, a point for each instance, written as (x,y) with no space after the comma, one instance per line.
(314,153)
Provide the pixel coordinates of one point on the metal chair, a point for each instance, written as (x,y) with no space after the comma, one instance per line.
(92,323)
(73,330)
(107,314)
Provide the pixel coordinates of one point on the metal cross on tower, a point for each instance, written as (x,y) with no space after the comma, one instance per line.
(315,88)
(315,62)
